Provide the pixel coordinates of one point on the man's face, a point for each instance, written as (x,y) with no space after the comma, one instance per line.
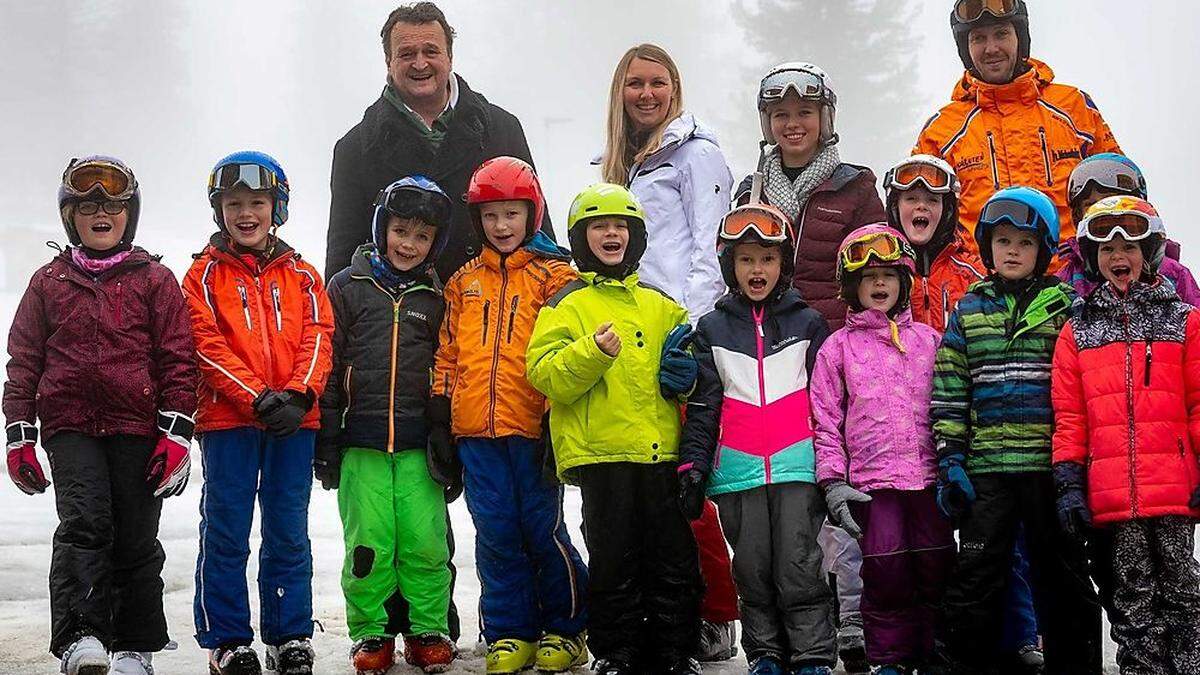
(994,51)
(419,63)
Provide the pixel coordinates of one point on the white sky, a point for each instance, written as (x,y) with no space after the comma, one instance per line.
(172,86)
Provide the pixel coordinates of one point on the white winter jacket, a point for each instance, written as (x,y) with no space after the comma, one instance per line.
(684,188)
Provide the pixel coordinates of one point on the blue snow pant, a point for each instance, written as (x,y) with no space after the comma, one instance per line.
(532,577)
(1020,620)
(238,465)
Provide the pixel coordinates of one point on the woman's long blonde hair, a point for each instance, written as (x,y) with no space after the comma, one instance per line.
(620,149)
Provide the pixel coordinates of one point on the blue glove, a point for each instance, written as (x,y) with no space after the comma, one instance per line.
(954,490)
(1074,516)
(677,368)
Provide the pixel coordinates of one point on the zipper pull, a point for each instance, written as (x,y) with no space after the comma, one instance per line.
(1149,352)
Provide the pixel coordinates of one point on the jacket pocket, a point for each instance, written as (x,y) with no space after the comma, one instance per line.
(347,383)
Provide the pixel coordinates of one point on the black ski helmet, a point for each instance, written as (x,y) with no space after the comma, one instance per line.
(72,191)
(1019,16)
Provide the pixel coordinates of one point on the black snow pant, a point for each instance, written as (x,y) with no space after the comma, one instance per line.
(644,585)
(1156,592)
(973,606)
(106,565)
(784,601)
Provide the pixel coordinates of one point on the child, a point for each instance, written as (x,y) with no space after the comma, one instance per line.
(388,307)
(1108,175)
(531,575)
(263,330)
(1126,406)
(101,354)
(992,424)
(597,352)
(875,460)
(755,450)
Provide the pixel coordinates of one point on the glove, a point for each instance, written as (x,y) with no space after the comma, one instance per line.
(442,456)
(838,495)
(327,465)
(171,462)
(23,466)
(677,368)
(1074,516)
(954,490)
(691,492)
(1194,502)
(281,411)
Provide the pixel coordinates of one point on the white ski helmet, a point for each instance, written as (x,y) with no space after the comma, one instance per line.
(810,83)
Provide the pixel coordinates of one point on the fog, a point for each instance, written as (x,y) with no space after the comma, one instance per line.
(172,86)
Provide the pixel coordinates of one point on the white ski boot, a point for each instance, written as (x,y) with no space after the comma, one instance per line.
(131,663)
(294,657)
(85,656)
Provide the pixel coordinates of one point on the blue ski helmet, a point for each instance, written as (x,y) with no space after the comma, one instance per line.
(254,170)
(1024,208)
(413,197)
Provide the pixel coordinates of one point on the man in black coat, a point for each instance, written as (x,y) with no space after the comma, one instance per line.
(427,121)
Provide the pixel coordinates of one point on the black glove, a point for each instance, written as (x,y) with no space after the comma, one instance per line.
(1070,482)
(1194,502)
(691,493)
(281,412)
(327,465)
(442,456)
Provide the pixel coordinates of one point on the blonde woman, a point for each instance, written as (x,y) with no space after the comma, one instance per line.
(674,167)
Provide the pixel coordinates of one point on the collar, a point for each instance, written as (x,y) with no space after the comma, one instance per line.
(1024,89)
(451,102)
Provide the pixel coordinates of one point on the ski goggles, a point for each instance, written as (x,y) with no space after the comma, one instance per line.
(1018,214)
(935,179)
(764,221)
(1107,173)
(252,176)
(806,84)
(882,246)
(115,181)
(112,208)
(968,11)
(412,202)
(1102,228)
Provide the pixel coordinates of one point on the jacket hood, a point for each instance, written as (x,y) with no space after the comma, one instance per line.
(220,244)
(360,266)
(874,319)
(679,131)
(1023,88)
(1105,297)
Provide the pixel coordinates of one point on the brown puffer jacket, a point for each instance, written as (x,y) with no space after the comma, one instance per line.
(846,201)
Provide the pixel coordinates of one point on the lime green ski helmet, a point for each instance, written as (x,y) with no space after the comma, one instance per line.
(606,200)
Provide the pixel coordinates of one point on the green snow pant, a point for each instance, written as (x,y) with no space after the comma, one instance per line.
(394,522)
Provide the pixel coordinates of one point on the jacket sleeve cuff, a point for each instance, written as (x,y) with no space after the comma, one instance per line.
(1069,476)
(176,424)
(20,433)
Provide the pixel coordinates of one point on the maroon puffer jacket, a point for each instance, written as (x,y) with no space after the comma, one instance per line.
(100,355)
(846,201)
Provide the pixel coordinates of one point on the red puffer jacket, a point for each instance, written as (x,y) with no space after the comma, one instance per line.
(1126,391)
(100,355)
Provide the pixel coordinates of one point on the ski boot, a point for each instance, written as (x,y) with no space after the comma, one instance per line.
(812,670)
(1029,659)
(687,666)
(131,663)
(294,657)
(373,655)
(233,660)
(612,667)
(431,652)
(557,654)
(85,656)
(509,655)
(718,642)
(852,650)
(766,665)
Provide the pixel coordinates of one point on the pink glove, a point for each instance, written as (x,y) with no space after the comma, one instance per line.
(171,462)
(23,466)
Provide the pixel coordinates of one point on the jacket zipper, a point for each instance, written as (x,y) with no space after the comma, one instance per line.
(487,305)
(992,151)
(1133,496)
(266,345)
(1046,157)
(762,384)
(278,311)
(349,397)
(120,301)
(392,381)
(245,306)
(496,352)
(512,317)
(1149,353)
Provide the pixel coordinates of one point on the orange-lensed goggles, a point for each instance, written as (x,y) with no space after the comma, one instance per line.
(1130,226)
(935,179)
(970,10)
(754,218)
(882,246)
(115,181)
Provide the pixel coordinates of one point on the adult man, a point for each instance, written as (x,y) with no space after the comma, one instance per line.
(1008,122)
(427,121)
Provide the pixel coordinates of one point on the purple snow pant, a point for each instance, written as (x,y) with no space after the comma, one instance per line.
(908,552)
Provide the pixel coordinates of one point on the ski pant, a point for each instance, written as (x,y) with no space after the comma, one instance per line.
(106,564)
(786,604)
(1020,618)
(532,577)
(395,532)
(1157,596)
(719,604)
(842,559)
(1068,610)
(908,551)
(239,465)
(645,580)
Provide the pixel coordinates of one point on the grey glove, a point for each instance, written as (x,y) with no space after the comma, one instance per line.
(838,495)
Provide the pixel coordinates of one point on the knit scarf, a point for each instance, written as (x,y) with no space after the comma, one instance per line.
(387,275)
(98,265)
(791,196)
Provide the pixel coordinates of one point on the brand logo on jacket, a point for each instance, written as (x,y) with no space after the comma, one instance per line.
(473,291)
(1073,153)
(972,162)
(785,342)
(417,315)
(836,212)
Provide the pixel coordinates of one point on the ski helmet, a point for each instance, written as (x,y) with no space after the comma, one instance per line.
(1109,171)
(413,197)
(969,14)
(758,224)
(810,83)
(253,170)
(98,177)
(502,179)
(1134,219)
(600,200)
(935,175)
(872,246)
(1024,208)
